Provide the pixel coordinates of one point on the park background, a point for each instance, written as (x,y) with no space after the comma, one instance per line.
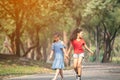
(27,28)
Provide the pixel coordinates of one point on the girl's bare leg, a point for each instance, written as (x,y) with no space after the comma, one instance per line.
(56,74)
(61,74)
(75,65)
(80,66)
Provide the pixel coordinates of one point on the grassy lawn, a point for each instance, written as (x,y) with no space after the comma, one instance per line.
(17,67)
(116,60)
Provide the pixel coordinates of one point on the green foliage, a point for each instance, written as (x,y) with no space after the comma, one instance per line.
(103,14)
(116,60)
(116,49)
(47,17)
(9,26)
(17,67)
(94,7)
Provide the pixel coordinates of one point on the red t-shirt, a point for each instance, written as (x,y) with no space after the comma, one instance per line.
(78,46)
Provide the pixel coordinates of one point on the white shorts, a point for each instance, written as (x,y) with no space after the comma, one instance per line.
(78,55)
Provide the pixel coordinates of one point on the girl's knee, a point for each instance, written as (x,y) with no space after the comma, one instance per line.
(80,65)
(75,67)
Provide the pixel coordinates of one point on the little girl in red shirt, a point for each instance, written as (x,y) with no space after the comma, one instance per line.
(77,42)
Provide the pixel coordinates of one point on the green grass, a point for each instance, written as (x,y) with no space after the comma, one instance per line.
(20,70)
(116,60)
(16,67)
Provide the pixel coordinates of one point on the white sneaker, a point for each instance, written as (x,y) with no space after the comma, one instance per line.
(76,77)
(79,78)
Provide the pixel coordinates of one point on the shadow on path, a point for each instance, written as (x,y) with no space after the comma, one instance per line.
(91,71)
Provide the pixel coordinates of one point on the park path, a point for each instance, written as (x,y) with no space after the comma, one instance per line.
(91,71)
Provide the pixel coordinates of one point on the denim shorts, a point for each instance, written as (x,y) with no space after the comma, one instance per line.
(78,55)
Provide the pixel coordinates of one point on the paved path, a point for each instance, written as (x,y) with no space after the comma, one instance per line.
(90,72)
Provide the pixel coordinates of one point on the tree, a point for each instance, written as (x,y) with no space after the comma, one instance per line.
(104,11)
(15,10)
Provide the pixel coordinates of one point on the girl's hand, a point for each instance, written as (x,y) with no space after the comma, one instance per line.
(66,55)
(50,57)
(91,53)
(51,54)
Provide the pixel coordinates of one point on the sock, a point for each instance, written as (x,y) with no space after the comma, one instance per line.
(79,75)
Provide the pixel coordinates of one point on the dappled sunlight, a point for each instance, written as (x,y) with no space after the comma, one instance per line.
(27,28)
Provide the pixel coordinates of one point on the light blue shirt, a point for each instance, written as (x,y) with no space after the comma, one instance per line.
(57,48)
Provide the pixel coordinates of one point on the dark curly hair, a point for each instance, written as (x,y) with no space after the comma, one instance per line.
(74,34)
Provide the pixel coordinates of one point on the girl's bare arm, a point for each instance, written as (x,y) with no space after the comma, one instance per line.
(69,49)
(88,49)
(51,54)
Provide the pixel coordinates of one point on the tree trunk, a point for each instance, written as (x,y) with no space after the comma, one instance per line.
(12,42)
(107,50)
(7,47)
(45,52)
(97,43)
(67,61)
(39,55)
(22,47)
(38,48)
(108,43)
(17,39)
(30,51)
(65,37)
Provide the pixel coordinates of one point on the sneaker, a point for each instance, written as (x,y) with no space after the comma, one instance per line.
(79,78)
(53,79)
(61,78)
(76,77)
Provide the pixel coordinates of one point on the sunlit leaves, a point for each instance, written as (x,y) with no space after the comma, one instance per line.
(95,7)
(9,26)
